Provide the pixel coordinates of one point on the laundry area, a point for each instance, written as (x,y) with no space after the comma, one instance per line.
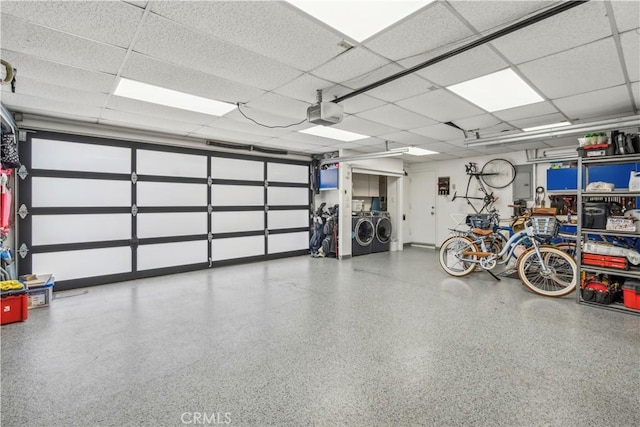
(320,213)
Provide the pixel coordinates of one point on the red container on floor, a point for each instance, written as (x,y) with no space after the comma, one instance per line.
(631,294)
(14,309)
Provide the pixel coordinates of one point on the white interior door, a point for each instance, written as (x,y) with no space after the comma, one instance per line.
(423,207)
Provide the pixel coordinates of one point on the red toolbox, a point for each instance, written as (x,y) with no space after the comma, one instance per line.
(631,294)
(608,261)
(14,309)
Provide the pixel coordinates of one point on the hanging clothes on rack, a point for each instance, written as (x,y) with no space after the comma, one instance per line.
(5,201)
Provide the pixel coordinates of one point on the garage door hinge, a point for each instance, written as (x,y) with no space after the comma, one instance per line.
(266,183)
(266,208)
(266,233)
(22,172)
(210,236)
(209,181)
(134,210)
(209,208)
(210,262)
(23,211)
(134,177)
(23,251)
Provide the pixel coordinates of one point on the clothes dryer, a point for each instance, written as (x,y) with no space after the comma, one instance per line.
(362,234)
(383,230)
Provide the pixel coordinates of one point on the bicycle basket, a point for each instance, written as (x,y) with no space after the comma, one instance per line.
(483,221)
(545,226)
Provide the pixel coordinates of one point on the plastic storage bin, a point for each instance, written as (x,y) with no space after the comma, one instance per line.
(631,294)
(14,309)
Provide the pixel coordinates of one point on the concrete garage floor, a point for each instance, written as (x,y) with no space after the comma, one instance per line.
(384,339)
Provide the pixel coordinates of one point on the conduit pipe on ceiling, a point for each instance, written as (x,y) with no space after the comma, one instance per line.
(564,6)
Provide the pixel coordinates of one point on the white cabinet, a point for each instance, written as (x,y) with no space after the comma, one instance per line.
(366,185)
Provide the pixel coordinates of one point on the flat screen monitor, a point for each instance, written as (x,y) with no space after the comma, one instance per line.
(328,179)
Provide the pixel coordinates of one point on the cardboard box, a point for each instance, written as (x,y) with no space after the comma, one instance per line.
(618,223)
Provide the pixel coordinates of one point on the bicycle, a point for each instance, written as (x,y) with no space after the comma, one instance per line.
(496,173)
(544,269)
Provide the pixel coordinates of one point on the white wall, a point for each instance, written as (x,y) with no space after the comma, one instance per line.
(455,170)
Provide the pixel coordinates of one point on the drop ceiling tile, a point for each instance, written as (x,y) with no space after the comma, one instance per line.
(354,105)
(50,107)
(626,14)
(225,135)
(526,111)
(485,15)
(441,105)
(440,147)
(121,104)
(109,22)
(407,138)
(464,154)
(160,73)
(139,3)
(630,42)
(245,126)
(141,121)
(30,39)
(394,116)
(304,88)
(273,29)
(483,121)
(486,151)
(372,76)
(35,88)
(466,66)
(308,139)
(635,89)
(574,27)
(174,43)
(574,71)
(501,128)
(599,103)
(402,88)
(350,64)
(54,73)
(441,156)
(281,105)
(432,27)
(365,127)
(538,121)
(366,149)
(440,132)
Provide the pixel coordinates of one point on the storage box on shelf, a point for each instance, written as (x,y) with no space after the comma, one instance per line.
(597,224)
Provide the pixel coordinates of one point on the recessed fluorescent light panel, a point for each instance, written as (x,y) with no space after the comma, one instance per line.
(171,98)
(549,126)
(359,19)
(333,133)
(497,91)
(415,151)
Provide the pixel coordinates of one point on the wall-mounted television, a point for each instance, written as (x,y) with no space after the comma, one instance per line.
(328,179)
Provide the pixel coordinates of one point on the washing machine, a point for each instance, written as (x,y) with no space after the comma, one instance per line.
(383,229)
(362,234)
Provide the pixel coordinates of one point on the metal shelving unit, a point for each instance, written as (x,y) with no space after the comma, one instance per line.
(583,232)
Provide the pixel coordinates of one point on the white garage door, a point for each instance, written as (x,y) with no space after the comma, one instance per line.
(95,211)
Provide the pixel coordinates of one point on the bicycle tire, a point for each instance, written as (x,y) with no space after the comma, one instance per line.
(452,265)
(560,281)
(498,173)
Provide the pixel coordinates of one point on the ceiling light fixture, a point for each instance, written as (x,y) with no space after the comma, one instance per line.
(171,98)
(549,126)
(497,91)
(359,19)
(333,133)
(576,129)
(414,151)
(395,152)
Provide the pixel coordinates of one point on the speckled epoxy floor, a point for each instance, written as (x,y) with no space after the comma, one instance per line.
(383,339)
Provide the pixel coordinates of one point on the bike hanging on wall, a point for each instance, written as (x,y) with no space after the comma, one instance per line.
(496,174)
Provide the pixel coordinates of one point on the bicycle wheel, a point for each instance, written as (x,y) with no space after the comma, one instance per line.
(498,173)
(560,277)
(452,247)
(569,248)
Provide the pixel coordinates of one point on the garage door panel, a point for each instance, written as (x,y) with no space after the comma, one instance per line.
(74,156)
(288,242)
(171,164)
(287,219)
(73,192)
(232,222)
(171,224)
(282,172)
(62,229)
(237,195)
(171,194)
(249,170)
(86,263)
(162,255)
(279,196)
(237,247)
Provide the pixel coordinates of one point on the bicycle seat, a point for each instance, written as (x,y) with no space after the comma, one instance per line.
(481,232)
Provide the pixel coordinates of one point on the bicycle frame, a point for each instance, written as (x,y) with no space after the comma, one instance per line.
(472,171)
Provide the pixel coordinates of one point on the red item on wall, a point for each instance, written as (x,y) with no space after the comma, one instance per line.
(5,199)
